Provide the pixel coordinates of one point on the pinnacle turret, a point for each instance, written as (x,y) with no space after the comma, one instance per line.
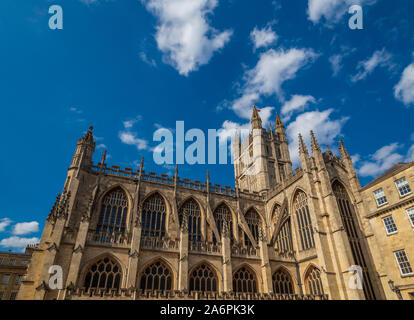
(256,121)
(314,143)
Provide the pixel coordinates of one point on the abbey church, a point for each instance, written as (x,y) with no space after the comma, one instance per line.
(311,233)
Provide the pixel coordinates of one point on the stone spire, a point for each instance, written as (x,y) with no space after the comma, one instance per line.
(314,143)
(256,121)
(84,150)
(280,129)
(302,146)
(329,152)
(344,152)
(102,161)
(278,122)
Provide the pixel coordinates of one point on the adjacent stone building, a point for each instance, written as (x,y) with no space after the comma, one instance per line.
(279,234)
(13,267)
(389,203)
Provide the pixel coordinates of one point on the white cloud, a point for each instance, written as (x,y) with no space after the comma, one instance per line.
(131,122)
(336,65)
(131,138)
(4,222)
(380,58)
(383,159)
(101,146)
(404,90)
(18,242)
(410,154)
(184,35)
(75,110)
(296,103)
(23,228)
(331,10)
(412,137)
(325,129)
(143,56)
(229,128)
(267,77)
(355,158)
(263,37)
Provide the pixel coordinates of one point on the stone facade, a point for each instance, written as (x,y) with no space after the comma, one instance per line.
(397,211)
(131,234)
(13,267)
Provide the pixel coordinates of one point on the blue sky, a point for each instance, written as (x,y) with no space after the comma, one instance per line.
(129,67)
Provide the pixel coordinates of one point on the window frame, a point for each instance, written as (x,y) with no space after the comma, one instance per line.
(384,196)
(406,184)
(8,276)
(388,225)
(410,215)
(399,265)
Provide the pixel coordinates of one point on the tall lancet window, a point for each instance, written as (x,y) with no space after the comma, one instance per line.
(154,217)
(304,221)
(222,214)
(284,238)
(192,210)
(254,223)
(351,226)
(111,224)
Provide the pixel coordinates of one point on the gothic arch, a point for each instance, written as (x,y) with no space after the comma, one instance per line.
(157,274)
(348,191)
(196,281)
(259,213)
(101,257)
(107,229)
(254,226)
(275,205)
(303,219)
(245,279)
(233,221)
(351,224)
(103,193)
(295,192)
(224,202)
(155,221)
(162,195)
(198,201)
(195,221)
(312,280)
(283,281)
(157,257)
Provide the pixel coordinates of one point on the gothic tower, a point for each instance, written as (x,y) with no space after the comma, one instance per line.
(262,159)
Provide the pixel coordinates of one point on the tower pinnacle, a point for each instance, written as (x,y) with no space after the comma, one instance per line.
(256,121)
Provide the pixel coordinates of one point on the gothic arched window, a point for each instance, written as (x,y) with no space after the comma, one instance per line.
(284,238)
(103,274)
(304,221)
(156,276)
(313,281)
(254,223)
(244,281)
(221,214)
(192,210)
(203,279)
(346,210)
(112,218)
(153,217)
(282,282)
